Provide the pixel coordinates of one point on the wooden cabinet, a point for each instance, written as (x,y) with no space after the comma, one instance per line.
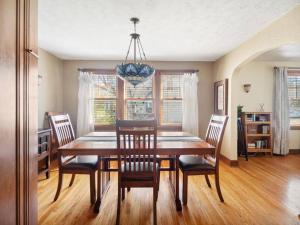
(44,151)
(258,131)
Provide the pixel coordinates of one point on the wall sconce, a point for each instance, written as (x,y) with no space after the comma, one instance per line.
(247,87)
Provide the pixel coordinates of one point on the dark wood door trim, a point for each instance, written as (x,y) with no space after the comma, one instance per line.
(26,140)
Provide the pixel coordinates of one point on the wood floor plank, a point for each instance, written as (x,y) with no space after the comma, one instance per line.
(264,190)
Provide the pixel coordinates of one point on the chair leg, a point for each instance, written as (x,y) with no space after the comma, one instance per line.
(207,181)
(118,205)
(158,180)
(154,205)
(72,180)
(218,187)
(123,194)
(60,181)
(92,187)
(128,189)
(184,188)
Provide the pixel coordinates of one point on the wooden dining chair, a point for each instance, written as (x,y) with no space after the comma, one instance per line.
(137,163)
(64,134)
(208,164)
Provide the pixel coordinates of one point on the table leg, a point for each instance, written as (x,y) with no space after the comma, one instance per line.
(98,202)
(177,199)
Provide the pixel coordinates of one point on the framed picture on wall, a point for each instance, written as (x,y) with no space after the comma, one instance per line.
(221,97)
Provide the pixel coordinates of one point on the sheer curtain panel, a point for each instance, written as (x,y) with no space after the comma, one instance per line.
(190,103)
(85,123)
(281,112)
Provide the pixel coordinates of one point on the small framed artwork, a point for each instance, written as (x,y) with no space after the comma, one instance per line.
(221,97)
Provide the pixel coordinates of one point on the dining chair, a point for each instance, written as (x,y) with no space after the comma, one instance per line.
(137,162)
(207,164)
(64,134)
(47,124)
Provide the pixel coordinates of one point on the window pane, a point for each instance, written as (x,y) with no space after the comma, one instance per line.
(139,109)
(143,90)
(105,86)
(104,111)
(294,96)
(171,111)
(104,102)
(171,86)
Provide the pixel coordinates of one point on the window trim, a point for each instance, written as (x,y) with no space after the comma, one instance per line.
(156,97)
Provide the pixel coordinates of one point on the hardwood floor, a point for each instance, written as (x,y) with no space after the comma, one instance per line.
(262,191)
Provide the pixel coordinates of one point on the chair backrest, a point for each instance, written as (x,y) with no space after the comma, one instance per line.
(214,135)
(63,134)
(47,124)
(137,141)
(62,129)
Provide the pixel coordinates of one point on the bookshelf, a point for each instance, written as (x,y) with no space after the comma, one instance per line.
(258,131)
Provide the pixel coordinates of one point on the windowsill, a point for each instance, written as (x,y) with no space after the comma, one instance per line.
(160,127)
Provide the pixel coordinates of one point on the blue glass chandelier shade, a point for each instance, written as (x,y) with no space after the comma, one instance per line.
(135,73)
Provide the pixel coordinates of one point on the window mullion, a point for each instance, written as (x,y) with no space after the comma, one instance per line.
(121,100)
(157,96)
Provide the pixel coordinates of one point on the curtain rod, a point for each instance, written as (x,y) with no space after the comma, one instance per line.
(113,70)
(289,68)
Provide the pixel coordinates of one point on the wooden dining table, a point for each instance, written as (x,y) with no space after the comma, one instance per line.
(104,144)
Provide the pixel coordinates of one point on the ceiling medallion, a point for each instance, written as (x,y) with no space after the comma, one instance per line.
(137,71)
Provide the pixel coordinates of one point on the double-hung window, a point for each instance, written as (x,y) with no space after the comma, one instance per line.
(139,101)
(105,100)
(171,99)
(294,97)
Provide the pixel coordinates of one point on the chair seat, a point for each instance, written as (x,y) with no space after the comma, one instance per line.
(82,162)
(194,163)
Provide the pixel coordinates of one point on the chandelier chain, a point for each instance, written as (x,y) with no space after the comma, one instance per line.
(140,53)
(139,40)
(128,50)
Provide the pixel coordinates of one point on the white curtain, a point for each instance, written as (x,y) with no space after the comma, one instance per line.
(281,112)
(85,123)
(190,103)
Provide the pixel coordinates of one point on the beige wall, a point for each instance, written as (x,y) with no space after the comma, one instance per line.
(260,76)
(50,88)
(70,85)
(286,30)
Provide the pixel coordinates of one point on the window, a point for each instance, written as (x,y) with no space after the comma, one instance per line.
(139,101)
(105,99)
(159,97)
(294,96)
(171,99)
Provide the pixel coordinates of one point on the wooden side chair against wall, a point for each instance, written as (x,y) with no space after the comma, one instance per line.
(64,134)
(137,163)
(208,164)
(47,124)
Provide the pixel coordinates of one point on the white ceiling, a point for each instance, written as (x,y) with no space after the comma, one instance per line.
(187,30)
(284,53)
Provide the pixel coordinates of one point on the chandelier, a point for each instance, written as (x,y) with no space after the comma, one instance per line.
(137,71)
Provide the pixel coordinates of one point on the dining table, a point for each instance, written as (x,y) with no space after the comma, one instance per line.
(104,144)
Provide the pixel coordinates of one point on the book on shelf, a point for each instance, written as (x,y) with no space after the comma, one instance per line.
(262,118)
(265,129)
(251,145)
(258,144)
